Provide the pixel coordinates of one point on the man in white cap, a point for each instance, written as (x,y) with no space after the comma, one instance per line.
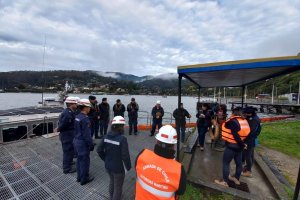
(157,114)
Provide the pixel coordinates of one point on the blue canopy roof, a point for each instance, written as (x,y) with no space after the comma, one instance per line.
(239,73)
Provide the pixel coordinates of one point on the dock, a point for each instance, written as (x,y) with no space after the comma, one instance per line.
(32,169)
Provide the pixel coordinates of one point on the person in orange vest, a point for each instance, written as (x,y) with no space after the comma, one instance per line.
(159,175)
(234,131)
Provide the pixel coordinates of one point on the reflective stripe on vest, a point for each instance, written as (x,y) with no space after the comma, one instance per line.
(157,177)
(111,142)
(153,190)
(243,133)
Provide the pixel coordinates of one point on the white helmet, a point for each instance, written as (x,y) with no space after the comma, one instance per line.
(84,102)
(118,120)
(158,102)
(71,100)
(167,134)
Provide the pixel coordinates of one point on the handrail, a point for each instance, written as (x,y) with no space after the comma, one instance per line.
(34,128)
(170,117)
(142,111)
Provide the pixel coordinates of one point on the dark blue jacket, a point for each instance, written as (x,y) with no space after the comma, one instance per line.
(83,131)
(66,120)
(255,128)
(113,149)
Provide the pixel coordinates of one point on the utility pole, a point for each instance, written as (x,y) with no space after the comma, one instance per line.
(273,93)
(299,94)
(214,94)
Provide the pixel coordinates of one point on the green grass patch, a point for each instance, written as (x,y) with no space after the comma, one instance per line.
(194,193)
(282,136)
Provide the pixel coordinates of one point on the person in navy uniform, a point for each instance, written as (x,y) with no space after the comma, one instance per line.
(94,116)
(104,116)
(157,114)
(132,109)
(113,149)
(66,135)
(83,142)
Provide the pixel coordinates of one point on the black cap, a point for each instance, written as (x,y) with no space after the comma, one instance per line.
(104,99)
(238,108)
(132,99)
(118,100)
(92,97)
(249,109)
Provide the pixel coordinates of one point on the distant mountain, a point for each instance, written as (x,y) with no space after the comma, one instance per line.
(137,79)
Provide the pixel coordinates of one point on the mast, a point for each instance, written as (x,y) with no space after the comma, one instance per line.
(43,75)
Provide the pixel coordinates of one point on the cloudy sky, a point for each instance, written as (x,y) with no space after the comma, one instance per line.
(143,37)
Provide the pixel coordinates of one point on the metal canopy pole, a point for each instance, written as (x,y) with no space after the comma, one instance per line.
(199,93)
(296,193)
(177,128)
(243,92)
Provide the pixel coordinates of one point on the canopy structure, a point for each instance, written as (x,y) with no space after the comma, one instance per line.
(239,73)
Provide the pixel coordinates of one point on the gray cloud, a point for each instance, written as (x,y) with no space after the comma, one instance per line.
(143,37)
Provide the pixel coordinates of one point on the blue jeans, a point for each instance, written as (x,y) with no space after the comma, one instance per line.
(228,155)
(103,127)
(201,134)
(248,156)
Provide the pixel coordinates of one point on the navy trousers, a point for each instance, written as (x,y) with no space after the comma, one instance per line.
(94,127)
(228,155)
(103,127)
(156,122)
(201,134)
(132,125)
(83,160)
(66,139)
(181,130)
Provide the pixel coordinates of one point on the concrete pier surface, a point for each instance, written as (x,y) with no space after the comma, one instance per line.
(206,166)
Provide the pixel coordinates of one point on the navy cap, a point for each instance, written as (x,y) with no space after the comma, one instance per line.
(92,97)
(104,99)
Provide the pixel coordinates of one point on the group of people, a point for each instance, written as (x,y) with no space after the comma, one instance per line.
(100,115)
(155,178)
(239,134)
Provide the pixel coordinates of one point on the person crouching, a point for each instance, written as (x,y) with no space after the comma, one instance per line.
(113,149)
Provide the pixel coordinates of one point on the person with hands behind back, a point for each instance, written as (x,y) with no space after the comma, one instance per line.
(234,131)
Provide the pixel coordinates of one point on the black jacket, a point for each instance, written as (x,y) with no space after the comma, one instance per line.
(113,149)
(104,111)
(157,110)
(119,110)
(206,120)
(180,116)
(169,154)
(94,112)
(132,109)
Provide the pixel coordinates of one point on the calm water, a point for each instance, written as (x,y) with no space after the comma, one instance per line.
(16,100)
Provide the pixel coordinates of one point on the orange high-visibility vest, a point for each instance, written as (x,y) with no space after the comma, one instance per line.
(243,133)
(157,177)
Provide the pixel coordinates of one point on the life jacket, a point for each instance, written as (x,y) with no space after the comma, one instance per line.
(243,133)
(157,177)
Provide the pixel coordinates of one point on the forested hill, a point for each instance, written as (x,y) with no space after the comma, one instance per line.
(115,82)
